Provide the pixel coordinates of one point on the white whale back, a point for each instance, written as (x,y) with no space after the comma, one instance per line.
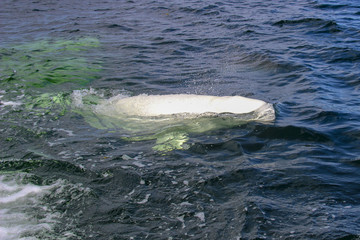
(157,105)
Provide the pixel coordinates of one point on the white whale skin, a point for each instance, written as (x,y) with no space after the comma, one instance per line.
(158,105)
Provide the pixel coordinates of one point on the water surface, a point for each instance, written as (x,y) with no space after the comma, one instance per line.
(65,174)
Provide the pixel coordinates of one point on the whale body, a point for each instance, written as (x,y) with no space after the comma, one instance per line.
(191,104)
(169,119)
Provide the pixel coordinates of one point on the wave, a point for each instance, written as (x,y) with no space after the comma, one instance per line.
(331,6)
(264,61)
(206,10)
(289,133)
(341,55)
(115,26)
(304,21)
(311,25)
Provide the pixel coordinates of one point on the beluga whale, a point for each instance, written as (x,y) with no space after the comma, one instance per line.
(169,119)
(190,104)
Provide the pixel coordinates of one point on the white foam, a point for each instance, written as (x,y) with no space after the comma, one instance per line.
(201,216)
(181,219)
(139,164)
(19,193)
(23,214)
(145,200)
(11,103)
(68,132)
(15,198)
(77,96)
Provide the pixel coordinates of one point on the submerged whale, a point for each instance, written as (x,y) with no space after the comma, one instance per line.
(190,104)
(169,119)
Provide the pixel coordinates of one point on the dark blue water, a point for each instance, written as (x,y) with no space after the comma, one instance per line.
(66,174)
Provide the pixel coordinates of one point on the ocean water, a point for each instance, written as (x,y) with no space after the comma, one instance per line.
(67,172)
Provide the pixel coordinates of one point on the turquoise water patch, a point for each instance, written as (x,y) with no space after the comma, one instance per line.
(36,78)
(48,62)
